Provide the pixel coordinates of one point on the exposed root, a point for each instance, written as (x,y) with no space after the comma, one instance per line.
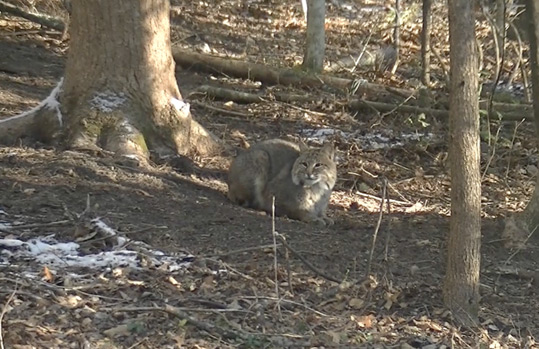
(42,122)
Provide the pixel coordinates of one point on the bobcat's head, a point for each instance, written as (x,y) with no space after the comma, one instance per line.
(315,166)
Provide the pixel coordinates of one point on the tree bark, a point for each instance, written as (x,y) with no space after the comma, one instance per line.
(119,93)
(519,228)
(461,286)
(315,45)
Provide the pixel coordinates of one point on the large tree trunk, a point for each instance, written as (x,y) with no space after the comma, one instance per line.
(119,93)
(461,286)
(315,45)
(521,226)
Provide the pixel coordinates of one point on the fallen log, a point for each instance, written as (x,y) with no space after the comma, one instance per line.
(280,76)
(270,75)
(357,104)
(246,97)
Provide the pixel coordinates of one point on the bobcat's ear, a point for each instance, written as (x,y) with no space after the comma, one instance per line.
(302,145)
(329,149)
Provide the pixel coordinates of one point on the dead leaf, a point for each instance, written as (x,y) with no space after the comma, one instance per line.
(47,275)
(356,303)
(117,331)
(363,321)
(29,191)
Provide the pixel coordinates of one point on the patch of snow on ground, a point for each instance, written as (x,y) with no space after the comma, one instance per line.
(46,250)
(368,141)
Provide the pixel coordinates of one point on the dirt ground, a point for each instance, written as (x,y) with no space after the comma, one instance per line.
(227,296)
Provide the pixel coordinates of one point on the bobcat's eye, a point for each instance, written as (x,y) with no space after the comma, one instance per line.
(304,164)
(318,165)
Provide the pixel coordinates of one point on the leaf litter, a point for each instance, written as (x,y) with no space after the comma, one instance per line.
(224,295)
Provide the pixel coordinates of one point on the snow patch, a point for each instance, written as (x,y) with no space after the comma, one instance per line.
(180,105)
(369,141)
(107,102)
(51,103)
(46,250)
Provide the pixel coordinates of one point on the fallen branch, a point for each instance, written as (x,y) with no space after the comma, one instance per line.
(375,234)
(509,112)
(241,250)
(276,76)
(4,311)
(179,313)
(277,339)
(305,261)
(45,20)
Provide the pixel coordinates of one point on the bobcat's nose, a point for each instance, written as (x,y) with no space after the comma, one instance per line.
(311,176)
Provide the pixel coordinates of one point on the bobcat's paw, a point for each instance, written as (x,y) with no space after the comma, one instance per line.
(328,221)
(324,221)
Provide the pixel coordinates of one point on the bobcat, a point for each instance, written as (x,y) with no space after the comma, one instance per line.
(300,178)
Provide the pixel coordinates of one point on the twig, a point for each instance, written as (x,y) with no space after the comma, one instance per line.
(381,199)
(288,271)
(444,67)
(241,250)
(41,225)
(516,252)
(396,36)
(519,249)
(178,312)
(375,235)
(398,193)
(219,110)
(398,106)
(138,343)
(305,261)
(388,236)
(227,266)
(286,301)
(523,71)
(4,310)
(356,62)
(275,262)
(489,161)
(512,149)
(497,33)
(317,113)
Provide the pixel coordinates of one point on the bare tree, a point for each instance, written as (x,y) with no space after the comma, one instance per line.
(425,42)
(119,92)
(315,45)
(521,226)
(461,286)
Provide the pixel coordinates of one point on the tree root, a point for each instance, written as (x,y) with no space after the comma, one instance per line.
(40,123)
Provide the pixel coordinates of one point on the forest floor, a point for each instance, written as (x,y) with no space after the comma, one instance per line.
(217,288)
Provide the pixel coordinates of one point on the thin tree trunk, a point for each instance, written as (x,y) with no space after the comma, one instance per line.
(461,286)
(397,36)
(425,42)
(315,46)
(520,227)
